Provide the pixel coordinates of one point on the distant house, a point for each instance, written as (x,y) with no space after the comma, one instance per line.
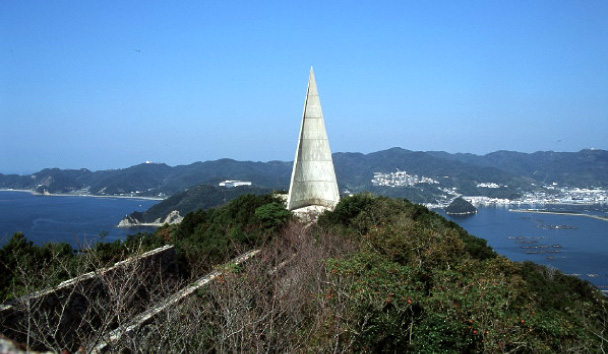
(233,183)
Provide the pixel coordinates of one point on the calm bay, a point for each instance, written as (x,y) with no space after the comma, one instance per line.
(77,220)
(574,244)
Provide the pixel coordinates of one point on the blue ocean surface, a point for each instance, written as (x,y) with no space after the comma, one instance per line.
(574,244)
(76,220)
(571,243)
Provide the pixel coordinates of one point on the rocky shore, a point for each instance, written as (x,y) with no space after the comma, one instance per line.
(136,219)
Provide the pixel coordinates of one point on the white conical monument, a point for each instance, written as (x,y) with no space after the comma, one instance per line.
(313,180)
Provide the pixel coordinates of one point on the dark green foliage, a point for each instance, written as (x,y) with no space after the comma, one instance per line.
(144,241)
(477,247)
(21,263)
(272,215)
(109,252)
(364,212)
(188,225)
(198,197)
(241,211)
(26,267)
(460,206)
(203,239)
(348,209)
(409,281)
(419,283)
(213,236)
(554,289)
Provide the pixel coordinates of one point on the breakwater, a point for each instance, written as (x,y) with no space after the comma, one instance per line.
(572,213)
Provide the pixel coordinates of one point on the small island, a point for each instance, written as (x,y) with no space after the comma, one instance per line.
(459,206)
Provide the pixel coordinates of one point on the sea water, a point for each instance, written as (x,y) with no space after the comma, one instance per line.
(574,244)
(76,220)
(571,243)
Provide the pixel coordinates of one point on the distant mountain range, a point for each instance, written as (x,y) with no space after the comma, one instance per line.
(150,179)
(509,172)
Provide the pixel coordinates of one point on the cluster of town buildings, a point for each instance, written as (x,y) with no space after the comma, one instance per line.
(566,195)
(491,185)
(548,194)
(551,194)
(400,179)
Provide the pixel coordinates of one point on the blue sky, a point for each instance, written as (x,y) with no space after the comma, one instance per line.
(109,84)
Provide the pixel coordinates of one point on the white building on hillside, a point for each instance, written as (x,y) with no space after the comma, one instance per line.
(229,183)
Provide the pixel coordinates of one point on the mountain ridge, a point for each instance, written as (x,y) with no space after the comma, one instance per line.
(514,172)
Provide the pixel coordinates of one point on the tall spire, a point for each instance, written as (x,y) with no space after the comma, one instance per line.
(313,180)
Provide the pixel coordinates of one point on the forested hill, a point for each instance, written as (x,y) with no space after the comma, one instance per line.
(198,197)
(151,179)
(585,168)
(376,275)
(431,173)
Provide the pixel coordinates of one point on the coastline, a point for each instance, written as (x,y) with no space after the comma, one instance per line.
(145,224)
(80,195)
(536,211)
(464,213)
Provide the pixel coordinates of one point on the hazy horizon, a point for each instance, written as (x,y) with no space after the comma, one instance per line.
(113,84)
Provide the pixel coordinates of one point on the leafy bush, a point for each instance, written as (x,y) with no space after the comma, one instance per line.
(272,215)
(375,275)
(22,264)
(420,283)
(206,238)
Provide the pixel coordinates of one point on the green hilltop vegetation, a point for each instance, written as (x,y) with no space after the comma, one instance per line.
(460,206)
(204,238)
(375,275)
(198,197)
(515,172)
